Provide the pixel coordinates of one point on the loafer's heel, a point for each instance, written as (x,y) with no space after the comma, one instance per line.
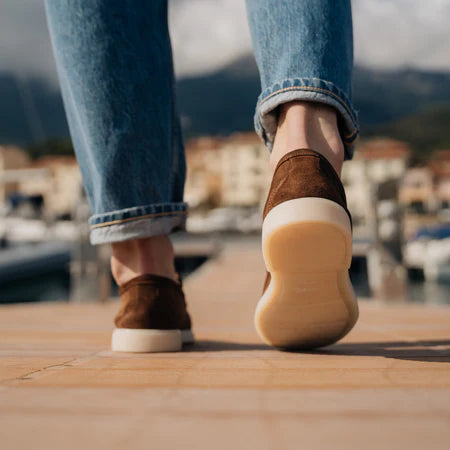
(307,248)
(153,316)
(146,341)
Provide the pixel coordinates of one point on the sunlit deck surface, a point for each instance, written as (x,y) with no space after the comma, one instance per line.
(385,386)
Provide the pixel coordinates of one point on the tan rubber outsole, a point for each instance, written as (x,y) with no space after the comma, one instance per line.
(307,248)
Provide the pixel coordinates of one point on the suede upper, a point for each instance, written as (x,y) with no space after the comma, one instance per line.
(152,302)
(303,173)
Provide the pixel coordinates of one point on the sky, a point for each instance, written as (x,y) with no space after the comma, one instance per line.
(388,34)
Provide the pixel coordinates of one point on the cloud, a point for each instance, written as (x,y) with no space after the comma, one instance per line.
(207,34)
(398,33)
(387,33)
(24,41)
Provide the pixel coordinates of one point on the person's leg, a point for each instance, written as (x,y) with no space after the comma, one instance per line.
(308,125)
(139,256)
(304,52)
(114,63)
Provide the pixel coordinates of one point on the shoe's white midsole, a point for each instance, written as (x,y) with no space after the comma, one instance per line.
(149,341)
(307,248)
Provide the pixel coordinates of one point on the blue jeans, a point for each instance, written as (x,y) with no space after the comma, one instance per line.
(115,68)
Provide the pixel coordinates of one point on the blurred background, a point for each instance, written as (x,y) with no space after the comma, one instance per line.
(398,184)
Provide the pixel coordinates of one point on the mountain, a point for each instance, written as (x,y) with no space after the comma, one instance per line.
(221,102)
(224,101)
(30,110)
(380,97)
(384,96)
(426,130)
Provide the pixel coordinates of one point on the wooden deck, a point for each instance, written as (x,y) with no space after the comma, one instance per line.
(386,386)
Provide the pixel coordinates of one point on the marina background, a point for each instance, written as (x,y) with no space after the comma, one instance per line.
(398,184)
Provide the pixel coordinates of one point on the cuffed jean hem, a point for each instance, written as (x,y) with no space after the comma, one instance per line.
(305,89)
(138,222)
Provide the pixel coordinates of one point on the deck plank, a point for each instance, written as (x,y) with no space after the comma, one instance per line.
(386,385)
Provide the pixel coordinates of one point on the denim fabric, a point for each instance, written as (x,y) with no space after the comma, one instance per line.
(304,51)
(115,68)
(114,62)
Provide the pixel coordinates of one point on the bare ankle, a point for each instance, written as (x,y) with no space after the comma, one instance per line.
(153,255)
(308,125)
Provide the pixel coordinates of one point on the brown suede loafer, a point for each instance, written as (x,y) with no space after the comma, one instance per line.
(153,316)
(308,300)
